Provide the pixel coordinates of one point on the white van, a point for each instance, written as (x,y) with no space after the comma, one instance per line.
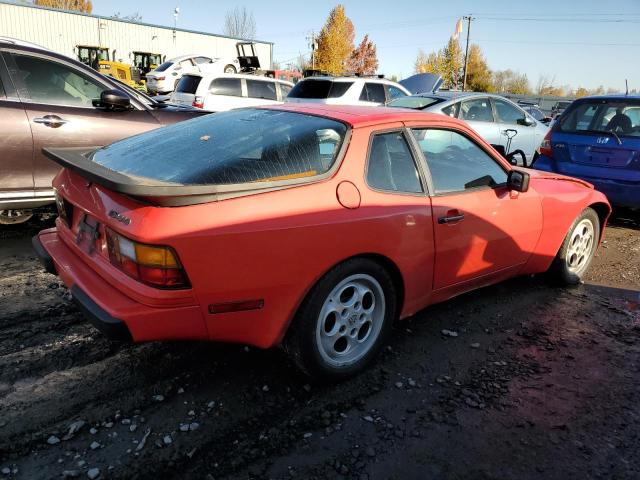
(218,93)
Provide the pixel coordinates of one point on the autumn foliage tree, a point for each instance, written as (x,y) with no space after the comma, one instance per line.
(335,42)
(479,78)
(509,81)
(84,6)
(447,63)
(363,59)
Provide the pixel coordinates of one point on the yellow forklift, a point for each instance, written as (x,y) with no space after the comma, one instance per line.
(98,59)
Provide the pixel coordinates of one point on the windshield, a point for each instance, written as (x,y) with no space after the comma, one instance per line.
(319,89)
(163,67)
(240,146)
(619,116)
(415,102)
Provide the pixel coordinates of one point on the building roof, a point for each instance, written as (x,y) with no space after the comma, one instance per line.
(114,19)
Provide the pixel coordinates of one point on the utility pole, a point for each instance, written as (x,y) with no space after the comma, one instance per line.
(313,44)
(466,52)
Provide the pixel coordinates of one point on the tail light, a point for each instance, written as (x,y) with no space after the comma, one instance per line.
(160,78)
(545,146)
(198,102)
(154,265)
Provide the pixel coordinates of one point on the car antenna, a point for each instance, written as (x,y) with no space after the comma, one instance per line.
(626,82)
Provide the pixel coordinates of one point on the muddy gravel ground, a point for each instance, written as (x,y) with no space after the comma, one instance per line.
(540,382)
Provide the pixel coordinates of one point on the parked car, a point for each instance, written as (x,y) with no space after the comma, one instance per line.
(598,139)
(494,117)
(47,99)
(219,92)
(366,91)
(164,79)
(536,113)
(312,226)
(559,107)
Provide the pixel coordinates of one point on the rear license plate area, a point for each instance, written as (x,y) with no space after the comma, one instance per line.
(88,233)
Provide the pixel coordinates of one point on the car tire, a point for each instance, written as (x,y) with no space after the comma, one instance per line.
(15,217)
(230,69)
(344,320)
(577,250)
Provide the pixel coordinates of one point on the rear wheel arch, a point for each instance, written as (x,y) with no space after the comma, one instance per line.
(603,210)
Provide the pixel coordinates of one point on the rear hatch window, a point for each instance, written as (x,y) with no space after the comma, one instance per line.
(163,67)
(621,117)
(235,147)
(188,84)
(319,89)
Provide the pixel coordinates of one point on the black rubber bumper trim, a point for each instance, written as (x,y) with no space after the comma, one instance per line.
(43,255)
(111,327)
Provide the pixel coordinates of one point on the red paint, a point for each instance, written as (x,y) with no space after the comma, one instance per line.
(275,246)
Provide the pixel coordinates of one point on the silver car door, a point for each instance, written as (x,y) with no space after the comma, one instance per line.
(511,117)
(478,113)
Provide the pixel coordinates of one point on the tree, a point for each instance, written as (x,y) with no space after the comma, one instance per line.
(335,42)
(239,23)
(581,92)
(508,81)
(363,59)
(84,6)
(479,77)
(447,63)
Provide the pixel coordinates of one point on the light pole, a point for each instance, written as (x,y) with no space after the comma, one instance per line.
(176,12)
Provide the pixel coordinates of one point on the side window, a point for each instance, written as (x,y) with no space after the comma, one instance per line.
(201,60)
(186,63)
(391,166)
(395,92)
(2,92)
(226,86)
(451,110)
(456,163)
(54,83)
(478,109)
(508,113)
(284,90)
(261,89)
(373,92)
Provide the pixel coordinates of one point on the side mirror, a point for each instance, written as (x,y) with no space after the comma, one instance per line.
(114,100)
(526,121)
(518,181)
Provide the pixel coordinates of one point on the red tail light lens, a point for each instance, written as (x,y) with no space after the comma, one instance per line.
(154,265)
(198,102)
(545,146)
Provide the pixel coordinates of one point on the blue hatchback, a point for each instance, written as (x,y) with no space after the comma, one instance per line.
(598,139)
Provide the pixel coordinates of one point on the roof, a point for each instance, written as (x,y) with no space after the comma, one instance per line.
(361,116)
(71,12)
(351,79)
(20,43)
(617,96)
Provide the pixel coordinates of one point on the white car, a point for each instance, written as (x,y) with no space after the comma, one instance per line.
(220,92)
(165,78)
(371,91)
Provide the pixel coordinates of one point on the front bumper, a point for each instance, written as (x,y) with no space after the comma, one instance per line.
(112,312)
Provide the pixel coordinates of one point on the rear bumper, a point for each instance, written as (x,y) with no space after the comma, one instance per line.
(619,193)
(107,308)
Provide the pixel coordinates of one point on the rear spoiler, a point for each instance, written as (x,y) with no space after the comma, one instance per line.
(78,160)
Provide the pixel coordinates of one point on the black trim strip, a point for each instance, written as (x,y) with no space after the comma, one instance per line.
(43,255)
(111,327)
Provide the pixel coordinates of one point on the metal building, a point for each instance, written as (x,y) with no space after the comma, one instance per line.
(61,31)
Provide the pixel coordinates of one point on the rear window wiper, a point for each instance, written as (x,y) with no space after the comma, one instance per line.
(605,132)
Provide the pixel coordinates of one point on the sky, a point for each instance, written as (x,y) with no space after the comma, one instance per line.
(583,43)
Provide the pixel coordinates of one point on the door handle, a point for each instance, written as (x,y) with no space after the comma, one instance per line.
(52,121)
(451,218)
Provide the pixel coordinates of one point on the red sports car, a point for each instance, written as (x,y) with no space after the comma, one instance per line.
(311,226)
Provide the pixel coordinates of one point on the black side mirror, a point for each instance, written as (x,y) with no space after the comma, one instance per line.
(526,121)
(518,181)
(113,100)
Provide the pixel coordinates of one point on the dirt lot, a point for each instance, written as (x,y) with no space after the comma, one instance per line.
(539,383)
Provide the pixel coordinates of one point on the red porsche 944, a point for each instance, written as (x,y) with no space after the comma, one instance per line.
(314,227)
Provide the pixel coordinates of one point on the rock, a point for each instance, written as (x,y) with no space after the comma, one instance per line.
(93,473)
(194,426)
(475,345)
(53,440)
(158,398)
(370,452)
(265,388)
(167,440)
(412,382)
(368,418)
(93,431)
(143,440)
(126,421)
(6,471)
(180,390)
(308,435)
(133,427)
(399,385)
(94,445)
(109,425)
(184,427)
(192,413)
(211,404)
(70,473)
(449,333)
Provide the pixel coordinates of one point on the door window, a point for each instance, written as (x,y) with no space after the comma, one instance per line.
(391,166)
(451,110)
(186,63)
(54,83)
(478,109)
(456,163)
(373,92)
(226,86)
(395,92)
(508,113)
(284,90)
(201,60)
(261,89)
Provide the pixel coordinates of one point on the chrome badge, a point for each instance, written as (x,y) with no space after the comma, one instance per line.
(119,217)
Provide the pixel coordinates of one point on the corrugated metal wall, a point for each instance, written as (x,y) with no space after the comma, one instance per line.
(62,31)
